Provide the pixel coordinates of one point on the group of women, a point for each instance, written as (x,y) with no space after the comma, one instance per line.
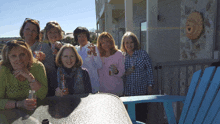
(49,69)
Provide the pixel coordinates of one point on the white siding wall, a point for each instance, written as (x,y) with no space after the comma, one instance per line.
(139,16)
(165,46)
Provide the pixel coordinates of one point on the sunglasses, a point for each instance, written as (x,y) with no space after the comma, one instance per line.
(32,20)
(51,23)
(15,43)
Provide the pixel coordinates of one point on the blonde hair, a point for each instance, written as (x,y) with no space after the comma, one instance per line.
(58,60)
(50,25)
(133,38)
(106,36)
(13,44)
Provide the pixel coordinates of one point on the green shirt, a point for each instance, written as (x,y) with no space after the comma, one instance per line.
(13,89)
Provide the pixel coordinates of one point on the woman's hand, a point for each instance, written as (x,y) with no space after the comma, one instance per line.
(55,51)
(35,85)
(114,69)
(28,104)
(92,49)
(58,45)
(25,74)
(150,90)
(58,92)
(41,57)
(129,70)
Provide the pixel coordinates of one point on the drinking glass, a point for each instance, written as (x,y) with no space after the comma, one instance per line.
(32,96)
(62,85)
(89,50)
(111,70)
(37,54)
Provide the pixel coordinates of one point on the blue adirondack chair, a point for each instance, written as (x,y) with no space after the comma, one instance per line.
(201,104)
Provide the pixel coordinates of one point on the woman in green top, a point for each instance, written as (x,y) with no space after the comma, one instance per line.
(19,73)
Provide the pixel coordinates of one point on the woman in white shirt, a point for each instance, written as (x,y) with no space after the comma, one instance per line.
(89,54)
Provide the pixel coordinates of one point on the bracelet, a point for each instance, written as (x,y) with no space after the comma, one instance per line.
(16,105)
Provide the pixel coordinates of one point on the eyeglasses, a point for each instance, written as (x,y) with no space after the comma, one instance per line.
(32,20)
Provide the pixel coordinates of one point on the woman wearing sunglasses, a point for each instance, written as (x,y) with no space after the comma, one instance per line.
(30,32)
(19,73)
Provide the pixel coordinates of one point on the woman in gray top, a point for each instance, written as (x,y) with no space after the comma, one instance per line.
(30,32)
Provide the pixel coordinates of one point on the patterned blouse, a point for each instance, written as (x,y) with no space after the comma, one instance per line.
(136,83)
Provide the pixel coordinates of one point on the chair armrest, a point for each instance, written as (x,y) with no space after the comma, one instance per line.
(166,99)
(152,98)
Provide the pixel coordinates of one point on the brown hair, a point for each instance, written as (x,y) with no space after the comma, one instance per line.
(58,61)
(50,25)
(107,36)
(13,44)
(81,30)
(133,38)
(34,22)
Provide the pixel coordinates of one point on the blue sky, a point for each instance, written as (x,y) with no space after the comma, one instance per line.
(68,13)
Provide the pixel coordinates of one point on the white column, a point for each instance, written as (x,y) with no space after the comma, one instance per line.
(152,9)
(97,29)
(129,15)
(101,25)
(108,18)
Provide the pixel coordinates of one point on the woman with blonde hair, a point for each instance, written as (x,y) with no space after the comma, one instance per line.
(19,73)
(112,65)
(71,77)
(138,72)
(138,67)
(53,33)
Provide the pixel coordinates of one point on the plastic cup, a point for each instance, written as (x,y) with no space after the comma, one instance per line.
(111,70)
(32,96)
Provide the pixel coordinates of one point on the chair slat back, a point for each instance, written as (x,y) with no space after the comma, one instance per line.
(211,98)
(189,96)
(217,118)
(213,110)
(195,95)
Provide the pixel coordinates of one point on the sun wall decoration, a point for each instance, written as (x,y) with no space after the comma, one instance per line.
(194,25)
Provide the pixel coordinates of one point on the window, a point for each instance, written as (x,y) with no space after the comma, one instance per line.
(143,35)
